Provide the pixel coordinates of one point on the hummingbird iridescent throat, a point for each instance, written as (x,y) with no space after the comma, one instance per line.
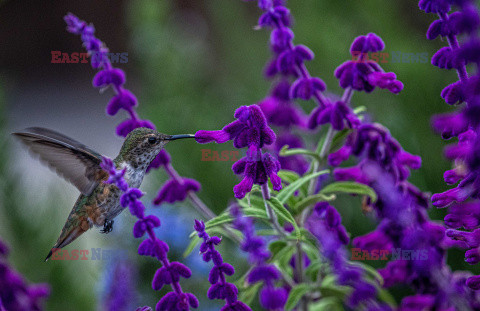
(98,203)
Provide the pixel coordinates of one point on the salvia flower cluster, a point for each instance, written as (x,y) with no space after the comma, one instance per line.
(171,272)
(251,131)
(220,288)
(325,225)
(271,297)
(463,124)
(108,76)
(15,293)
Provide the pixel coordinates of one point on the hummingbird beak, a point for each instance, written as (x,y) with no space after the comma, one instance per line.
(175,137)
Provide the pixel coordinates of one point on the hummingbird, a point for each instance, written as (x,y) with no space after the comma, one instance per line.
(99,202)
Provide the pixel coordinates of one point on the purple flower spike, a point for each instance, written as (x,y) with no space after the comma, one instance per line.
(15,293)
(125,100)
(173,190)
(249,130)
(109,76)
(444,58)
(366,44)
(220,289)
(162,159)
(434,6)
(474,282)
(144,225)
(305,88)
(271,298)
(129,125)
(170,272)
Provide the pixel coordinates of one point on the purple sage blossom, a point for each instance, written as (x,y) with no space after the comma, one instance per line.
(271,297)
(249,130)
(464,123)
(220,288)
(15,293)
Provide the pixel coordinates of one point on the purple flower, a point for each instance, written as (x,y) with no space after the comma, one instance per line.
(173,190)
(280,110)
(325,225)
(107,76)
(256,172)
(249,130)
(339,115)
(220,288)
(162,159)
(15,293)
(174,301)
(120,286)
(271,297)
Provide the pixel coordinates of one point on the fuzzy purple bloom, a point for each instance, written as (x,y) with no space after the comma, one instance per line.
(249,130)
(173,190)
(15,293)
(220,288)
(108,76)
(271,297)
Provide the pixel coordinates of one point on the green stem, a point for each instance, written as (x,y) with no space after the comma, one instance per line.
(271,215)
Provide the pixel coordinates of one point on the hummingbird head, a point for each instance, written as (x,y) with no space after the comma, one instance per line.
(142,145)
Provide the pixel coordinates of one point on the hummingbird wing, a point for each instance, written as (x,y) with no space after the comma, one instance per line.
(72,160)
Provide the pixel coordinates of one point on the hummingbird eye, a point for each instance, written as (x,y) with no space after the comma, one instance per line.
(152,140)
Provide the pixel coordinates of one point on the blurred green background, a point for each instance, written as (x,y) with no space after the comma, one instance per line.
(191,64)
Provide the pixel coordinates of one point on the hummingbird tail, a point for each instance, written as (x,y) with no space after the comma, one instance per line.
(67,236)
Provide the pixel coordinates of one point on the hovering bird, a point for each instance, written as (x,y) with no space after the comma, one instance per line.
(98,203)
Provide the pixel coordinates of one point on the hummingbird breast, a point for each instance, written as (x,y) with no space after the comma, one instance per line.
(104,202)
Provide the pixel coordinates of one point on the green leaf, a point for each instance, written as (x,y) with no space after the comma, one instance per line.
(360,109)
(385,295)
(281,211)
(313,268)
(297,292)
(350,187)
(289,190)
(337,140)
(219,220)
(288,176)
(191,246)
(285,152)
(310,200)
(247,294)
(371,272)
(284,255)
(329,287)
(276,246)
(255,213)
(327,304)
(267,232)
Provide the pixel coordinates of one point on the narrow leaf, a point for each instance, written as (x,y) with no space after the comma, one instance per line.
(297,292)
(350,187)
(285,152)
(289,190)
(310,200)
(282,212)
